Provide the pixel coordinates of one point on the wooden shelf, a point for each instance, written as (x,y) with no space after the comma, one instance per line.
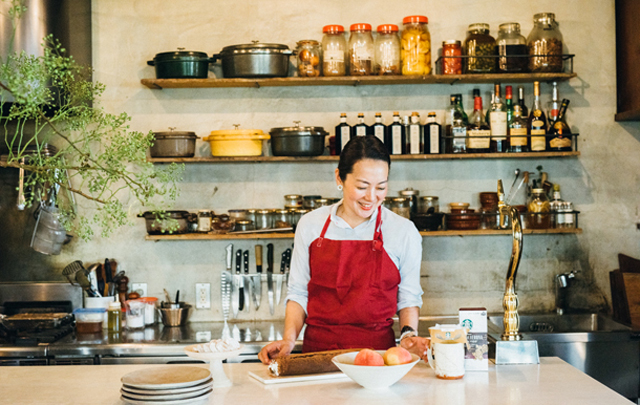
(159,84)
(303,159)
(631,115)
(289,235)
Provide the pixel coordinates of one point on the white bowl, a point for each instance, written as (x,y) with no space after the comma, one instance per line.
(373,377)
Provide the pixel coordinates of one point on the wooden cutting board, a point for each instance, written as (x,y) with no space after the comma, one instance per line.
(632,292)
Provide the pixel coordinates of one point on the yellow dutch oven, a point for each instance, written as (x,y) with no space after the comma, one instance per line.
(236,142)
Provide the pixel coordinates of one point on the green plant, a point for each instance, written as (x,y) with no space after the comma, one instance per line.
(50,100)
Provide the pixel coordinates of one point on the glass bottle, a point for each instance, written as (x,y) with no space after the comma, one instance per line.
(451,63)
(308,58)
(555,205)
(415,46)
(334,48)
(566,208)
(537,124)
(508,102)
(479,46)
(455,128)
(361,50)
(487,117)
(432,134)
(204,221)
(521,103)
(114,317)
(561,141)
(360,129)
(553,106)
(498,120)
(478,133)
(379,130)
(545,44)
(396,134)
(343,133)
(460,108)
(518,139)
(539,210)
(415,138)
(512,49)
(387,51)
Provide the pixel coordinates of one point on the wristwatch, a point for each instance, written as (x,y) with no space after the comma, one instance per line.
(407,331)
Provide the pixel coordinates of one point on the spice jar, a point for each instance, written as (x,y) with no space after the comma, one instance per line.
(360,50)
(545,44)
(511,47)
(565,215)
(451,62)
(244,225)
(401,206)
(334,48)
(251,215)
(204,221)
(427,202)
(309,201)
(322,202)
(412,195)
(264,219)
(415,46)
(282,219)
(236,214)
(293,201)
(308,58)
(479,46)
(387,51)
(539,210)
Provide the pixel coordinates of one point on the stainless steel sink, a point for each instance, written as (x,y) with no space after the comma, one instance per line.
(568,323)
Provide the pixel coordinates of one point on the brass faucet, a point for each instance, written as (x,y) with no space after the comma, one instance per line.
(511,320)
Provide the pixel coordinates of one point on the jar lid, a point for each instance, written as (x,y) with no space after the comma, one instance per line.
(322,200)
(429,198)
(311,42)
(399,199)
(546,18)
(415,19)
(302,211)
(479,27)
(333,29)
(451,42)
(387,28)
(148,300)
(538,190)
(408,191)
(360,27)
(263,211)
(459,205)
(282,211)
(292,196)
(244,222)
(509,27)
(115,305)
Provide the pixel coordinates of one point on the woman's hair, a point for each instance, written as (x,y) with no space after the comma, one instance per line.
(358,148)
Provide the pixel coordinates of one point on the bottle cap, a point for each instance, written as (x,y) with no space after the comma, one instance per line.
(387,28)
(114,305)
(333,29)
(360,27)
(415,19)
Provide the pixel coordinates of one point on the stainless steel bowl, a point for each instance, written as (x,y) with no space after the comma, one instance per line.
(175,316)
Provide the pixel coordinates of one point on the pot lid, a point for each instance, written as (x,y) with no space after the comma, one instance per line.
(180,55)
(236,134)
(175,134)
(256,47)
(298,130)
(169,214)
(408,191)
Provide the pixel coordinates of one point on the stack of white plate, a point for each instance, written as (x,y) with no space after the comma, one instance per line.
(167,385)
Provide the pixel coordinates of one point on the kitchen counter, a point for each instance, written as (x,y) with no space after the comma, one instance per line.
(552,381)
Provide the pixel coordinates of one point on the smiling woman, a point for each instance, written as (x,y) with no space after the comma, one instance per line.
(355,265)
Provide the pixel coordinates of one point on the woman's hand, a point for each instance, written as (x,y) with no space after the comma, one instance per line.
(275,349)
(416,345)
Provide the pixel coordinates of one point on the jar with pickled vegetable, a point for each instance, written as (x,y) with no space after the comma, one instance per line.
(451,61)
(479,46)
(545,44)
(415,46)
(334,48)
(361,50)
(387,50)
(308,58)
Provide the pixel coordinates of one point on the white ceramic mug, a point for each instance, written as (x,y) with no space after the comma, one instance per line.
(447,360)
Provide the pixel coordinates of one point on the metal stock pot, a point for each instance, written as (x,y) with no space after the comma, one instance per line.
(254,60)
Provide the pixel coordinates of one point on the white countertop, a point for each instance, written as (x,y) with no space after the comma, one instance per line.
(551,382)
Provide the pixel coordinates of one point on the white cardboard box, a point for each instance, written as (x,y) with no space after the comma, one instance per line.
(477,353)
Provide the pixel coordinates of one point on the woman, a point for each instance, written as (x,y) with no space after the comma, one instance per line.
(354,265)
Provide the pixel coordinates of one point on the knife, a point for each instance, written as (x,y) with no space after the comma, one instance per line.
(257,278)
(247,282)
(270,276)
(226,286)
(279,277)
(240,279)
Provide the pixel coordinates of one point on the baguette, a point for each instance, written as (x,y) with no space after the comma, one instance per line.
(306,363)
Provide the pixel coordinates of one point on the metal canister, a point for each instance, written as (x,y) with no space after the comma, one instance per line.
(293,201)
(426,202)
(264,219)
(412,195)
(401,206)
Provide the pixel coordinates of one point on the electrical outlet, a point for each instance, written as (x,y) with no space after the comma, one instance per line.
(203,295)
(140,288)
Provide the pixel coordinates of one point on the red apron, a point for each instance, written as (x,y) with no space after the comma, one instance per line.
(353,294)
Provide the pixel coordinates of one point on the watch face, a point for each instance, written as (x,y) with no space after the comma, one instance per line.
(407,329)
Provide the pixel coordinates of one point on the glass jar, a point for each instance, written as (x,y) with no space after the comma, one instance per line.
(401,206)
(237,214)
(204,221)
(264,219)
(545,40)
(251,215)
(308,58)
(282,219)
(412,196)
(297,214)
(293,201)
(451,64)
(539,210)
(387,51)
(323,202)
(387,203)
(361,50)
(309,201)
(415,46)
(511,47)
(565,216)
(221,224)
(334,48)
(428,202)
(244,225)
(479,46)
(489,218)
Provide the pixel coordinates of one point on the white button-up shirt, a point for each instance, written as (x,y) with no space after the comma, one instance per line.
(402,242)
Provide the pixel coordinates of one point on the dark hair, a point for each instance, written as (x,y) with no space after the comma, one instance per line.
(358,148)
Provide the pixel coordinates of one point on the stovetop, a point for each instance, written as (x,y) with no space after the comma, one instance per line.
(36,337)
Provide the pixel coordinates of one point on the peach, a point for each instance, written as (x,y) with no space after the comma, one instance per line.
(368,357)
(396,355)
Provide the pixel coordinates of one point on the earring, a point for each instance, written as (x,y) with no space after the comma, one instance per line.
(339,187)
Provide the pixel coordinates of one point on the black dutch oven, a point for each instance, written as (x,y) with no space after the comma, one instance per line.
(181,64)
(297,140)
(255,60)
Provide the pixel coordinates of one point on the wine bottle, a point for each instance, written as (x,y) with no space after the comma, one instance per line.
(415,137)
(460,108)
(498,123)
(525,111)
(432,133)
(518,140)
(343,133)
(537,124)
(360,129)
(478,133)
(562,139)
(508,102)
(554,104)
(379,130)
(396,134)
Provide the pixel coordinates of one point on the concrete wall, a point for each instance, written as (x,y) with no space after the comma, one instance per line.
(456,271)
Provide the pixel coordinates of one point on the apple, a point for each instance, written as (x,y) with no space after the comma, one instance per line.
(368,357)
(396,355)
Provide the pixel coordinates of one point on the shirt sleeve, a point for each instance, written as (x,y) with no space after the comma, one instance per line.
(410,291)
(300,272)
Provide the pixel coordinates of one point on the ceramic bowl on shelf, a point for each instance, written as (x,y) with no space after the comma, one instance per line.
(372,377)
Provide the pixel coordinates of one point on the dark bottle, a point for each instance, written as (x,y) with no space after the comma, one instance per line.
(360,129)
(478,133)
(343,133)
(460,108)
(537,125)
(508,102)
(378,129)
(432,134)
(518,139)
(396,136)
(523,107)
(562,139)
(498,123)
(415,136)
